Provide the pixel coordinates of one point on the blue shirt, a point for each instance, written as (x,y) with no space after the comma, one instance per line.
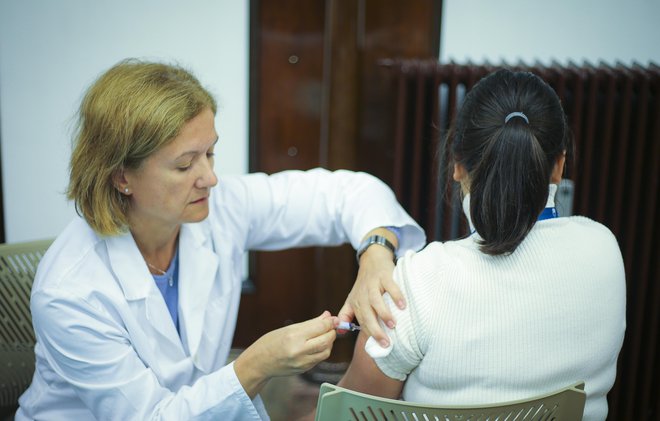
(169,292)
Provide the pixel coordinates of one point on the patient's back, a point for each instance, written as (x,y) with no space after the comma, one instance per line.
(485,329)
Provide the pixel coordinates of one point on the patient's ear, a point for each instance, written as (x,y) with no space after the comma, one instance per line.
(461,175)
(459,172)
(558,169)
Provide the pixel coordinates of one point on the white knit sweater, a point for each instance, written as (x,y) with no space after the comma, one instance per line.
(486,329)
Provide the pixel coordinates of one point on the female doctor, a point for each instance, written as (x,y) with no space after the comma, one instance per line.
(134,305)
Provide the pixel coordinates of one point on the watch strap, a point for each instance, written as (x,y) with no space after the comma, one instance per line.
(374,239)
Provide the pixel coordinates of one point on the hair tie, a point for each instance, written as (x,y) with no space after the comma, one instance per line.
(516,114)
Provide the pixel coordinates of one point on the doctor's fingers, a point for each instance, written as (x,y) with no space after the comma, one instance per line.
(315,327)
(321,343)
(308,361)
(377,309)
(298,354)
(323,346)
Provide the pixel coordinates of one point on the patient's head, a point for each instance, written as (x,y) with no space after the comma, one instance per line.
(509,138)
(128,113)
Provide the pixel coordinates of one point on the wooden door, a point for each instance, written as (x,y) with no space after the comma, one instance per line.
(319,96)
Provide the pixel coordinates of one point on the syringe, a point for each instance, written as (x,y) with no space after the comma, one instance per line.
(348,326)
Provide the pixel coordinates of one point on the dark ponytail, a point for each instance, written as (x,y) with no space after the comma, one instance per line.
(509,164)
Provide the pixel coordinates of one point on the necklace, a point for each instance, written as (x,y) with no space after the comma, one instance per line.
(170,281)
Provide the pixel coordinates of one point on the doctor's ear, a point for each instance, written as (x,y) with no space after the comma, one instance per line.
(120,182)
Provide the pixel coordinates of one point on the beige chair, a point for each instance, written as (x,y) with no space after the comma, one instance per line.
(337,403)
(18,264)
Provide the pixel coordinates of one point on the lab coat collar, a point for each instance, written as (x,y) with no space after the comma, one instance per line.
(198,266)
(129,267)
(140,290)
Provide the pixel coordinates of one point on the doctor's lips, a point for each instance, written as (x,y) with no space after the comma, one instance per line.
(352,327)
(200,200)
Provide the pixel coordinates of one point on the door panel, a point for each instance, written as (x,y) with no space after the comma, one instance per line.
(319,96)
(285,107)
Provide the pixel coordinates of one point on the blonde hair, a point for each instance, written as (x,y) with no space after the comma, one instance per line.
(127,114)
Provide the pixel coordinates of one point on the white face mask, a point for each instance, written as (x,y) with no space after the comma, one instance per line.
(552,190)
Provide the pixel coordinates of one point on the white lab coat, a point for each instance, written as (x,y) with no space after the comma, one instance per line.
(106,345)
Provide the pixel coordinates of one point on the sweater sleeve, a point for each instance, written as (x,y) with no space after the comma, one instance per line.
(406,348)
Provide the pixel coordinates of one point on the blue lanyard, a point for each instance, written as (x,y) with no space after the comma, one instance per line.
(548,213)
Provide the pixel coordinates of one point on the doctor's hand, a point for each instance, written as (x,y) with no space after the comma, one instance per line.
(290,350)
(365,301)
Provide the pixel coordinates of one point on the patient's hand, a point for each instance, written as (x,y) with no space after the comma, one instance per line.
(365,301)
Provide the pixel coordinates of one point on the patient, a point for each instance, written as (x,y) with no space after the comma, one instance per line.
(529,302)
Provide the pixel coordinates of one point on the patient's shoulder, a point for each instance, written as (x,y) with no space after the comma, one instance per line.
(438,255)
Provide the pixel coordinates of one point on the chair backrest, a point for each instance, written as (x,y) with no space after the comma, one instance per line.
(337,403)
(18,264)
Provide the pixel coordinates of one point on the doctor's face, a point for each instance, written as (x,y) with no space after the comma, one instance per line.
(172,185)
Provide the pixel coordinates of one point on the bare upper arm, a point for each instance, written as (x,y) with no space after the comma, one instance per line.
(363,375)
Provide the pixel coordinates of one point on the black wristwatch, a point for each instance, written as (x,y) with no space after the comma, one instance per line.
(375,239)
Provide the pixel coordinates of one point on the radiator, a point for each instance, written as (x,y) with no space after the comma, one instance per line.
(614,114)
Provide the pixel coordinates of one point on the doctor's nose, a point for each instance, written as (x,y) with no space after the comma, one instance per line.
(207,177)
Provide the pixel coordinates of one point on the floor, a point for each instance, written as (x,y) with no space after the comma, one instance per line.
(290,398)
(293,398)
(285,398)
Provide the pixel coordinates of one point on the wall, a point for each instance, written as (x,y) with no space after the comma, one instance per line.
(562,30)
(50,51)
